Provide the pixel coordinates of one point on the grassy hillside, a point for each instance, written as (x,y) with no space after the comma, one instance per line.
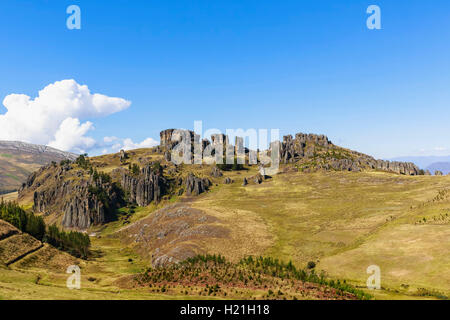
(342,221)
(348,221)
(18,160)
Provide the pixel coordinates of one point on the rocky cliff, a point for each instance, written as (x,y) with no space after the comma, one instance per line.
(312,152)
(309,152)
(145,187)
(77,198)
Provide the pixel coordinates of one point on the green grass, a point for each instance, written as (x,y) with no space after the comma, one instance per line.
(12,176)
(348,221)
(341,220)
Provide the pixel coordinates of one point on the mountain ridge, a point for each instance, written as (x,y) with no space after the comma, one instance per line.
(19,159)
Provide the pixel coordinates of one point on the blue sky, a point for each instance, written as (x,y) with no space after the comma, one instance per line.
(298,66)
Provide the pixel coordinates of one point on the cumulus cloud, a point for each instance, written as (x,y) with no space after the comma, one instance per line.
(116,144)
(71,136)
(55,116)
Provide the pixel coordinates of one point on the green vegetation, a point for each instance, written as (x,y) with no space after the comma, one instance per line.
(83,162)
(134,169)
(22,220)
(101,177)
(216,276)
(13,176)
(231,167)
(156,166)
(75,243)
(65,162)
(276,268)
(423,292)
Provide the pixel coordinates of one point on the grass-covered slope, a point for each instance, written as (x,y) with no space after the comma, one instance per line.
(18,160)
(341,221)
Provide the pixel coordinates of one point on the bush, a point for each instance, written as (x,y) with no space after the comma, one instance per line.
(134,169)
(75,243)
(231,167)
(22,220)
(83,162)
(311,265)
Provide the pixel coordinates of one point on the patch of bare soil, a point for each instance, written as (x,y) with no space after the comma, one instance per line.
(173,234)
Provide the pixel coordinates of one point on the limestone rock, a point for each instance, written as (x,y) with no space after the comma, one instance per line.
(195,185)
(146,187)
(216,172)
(123,155)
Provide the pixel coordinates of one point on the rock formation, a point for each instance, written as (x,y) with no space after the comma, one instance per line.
(195,185)
(123,155)
(144,188)
(216,172)
(84,203)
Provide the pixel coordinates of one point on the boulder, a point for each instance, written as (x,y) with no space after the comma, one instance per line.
(195,185)
(123,155)
(216,172)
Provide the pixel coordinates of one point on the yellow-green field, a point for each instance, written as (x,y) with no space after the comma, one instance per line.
(349,221)
(343,221)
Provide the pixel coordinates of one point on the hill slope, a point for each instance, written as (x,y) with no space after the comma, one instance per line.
(18,160)
(444,167)
(338,208)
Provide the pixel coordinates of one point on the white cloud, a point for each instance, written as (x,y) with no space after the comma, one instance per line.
(54,116)
(128,144)
(71,136)
(117,144)
(440,149)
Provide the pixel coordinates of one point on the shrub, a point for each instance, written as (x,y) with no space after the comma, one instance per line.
(83,162)
(22,220)
(75,243)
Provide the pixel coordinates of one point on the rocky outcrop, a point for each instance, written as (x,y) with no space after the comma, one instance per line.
(171,137)
(438,173)
(145,188)
(83,211)
(123,156)
(258,179)
(84,203)
(322,154)
(244,182)
(195,185)
(85,198)
(405,168)
(293,149)
(228,181)
(216,172)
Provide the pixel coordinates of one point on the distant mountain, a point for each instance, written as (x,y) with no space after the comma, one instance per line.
(424,161)
(444,167)
(19,159)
